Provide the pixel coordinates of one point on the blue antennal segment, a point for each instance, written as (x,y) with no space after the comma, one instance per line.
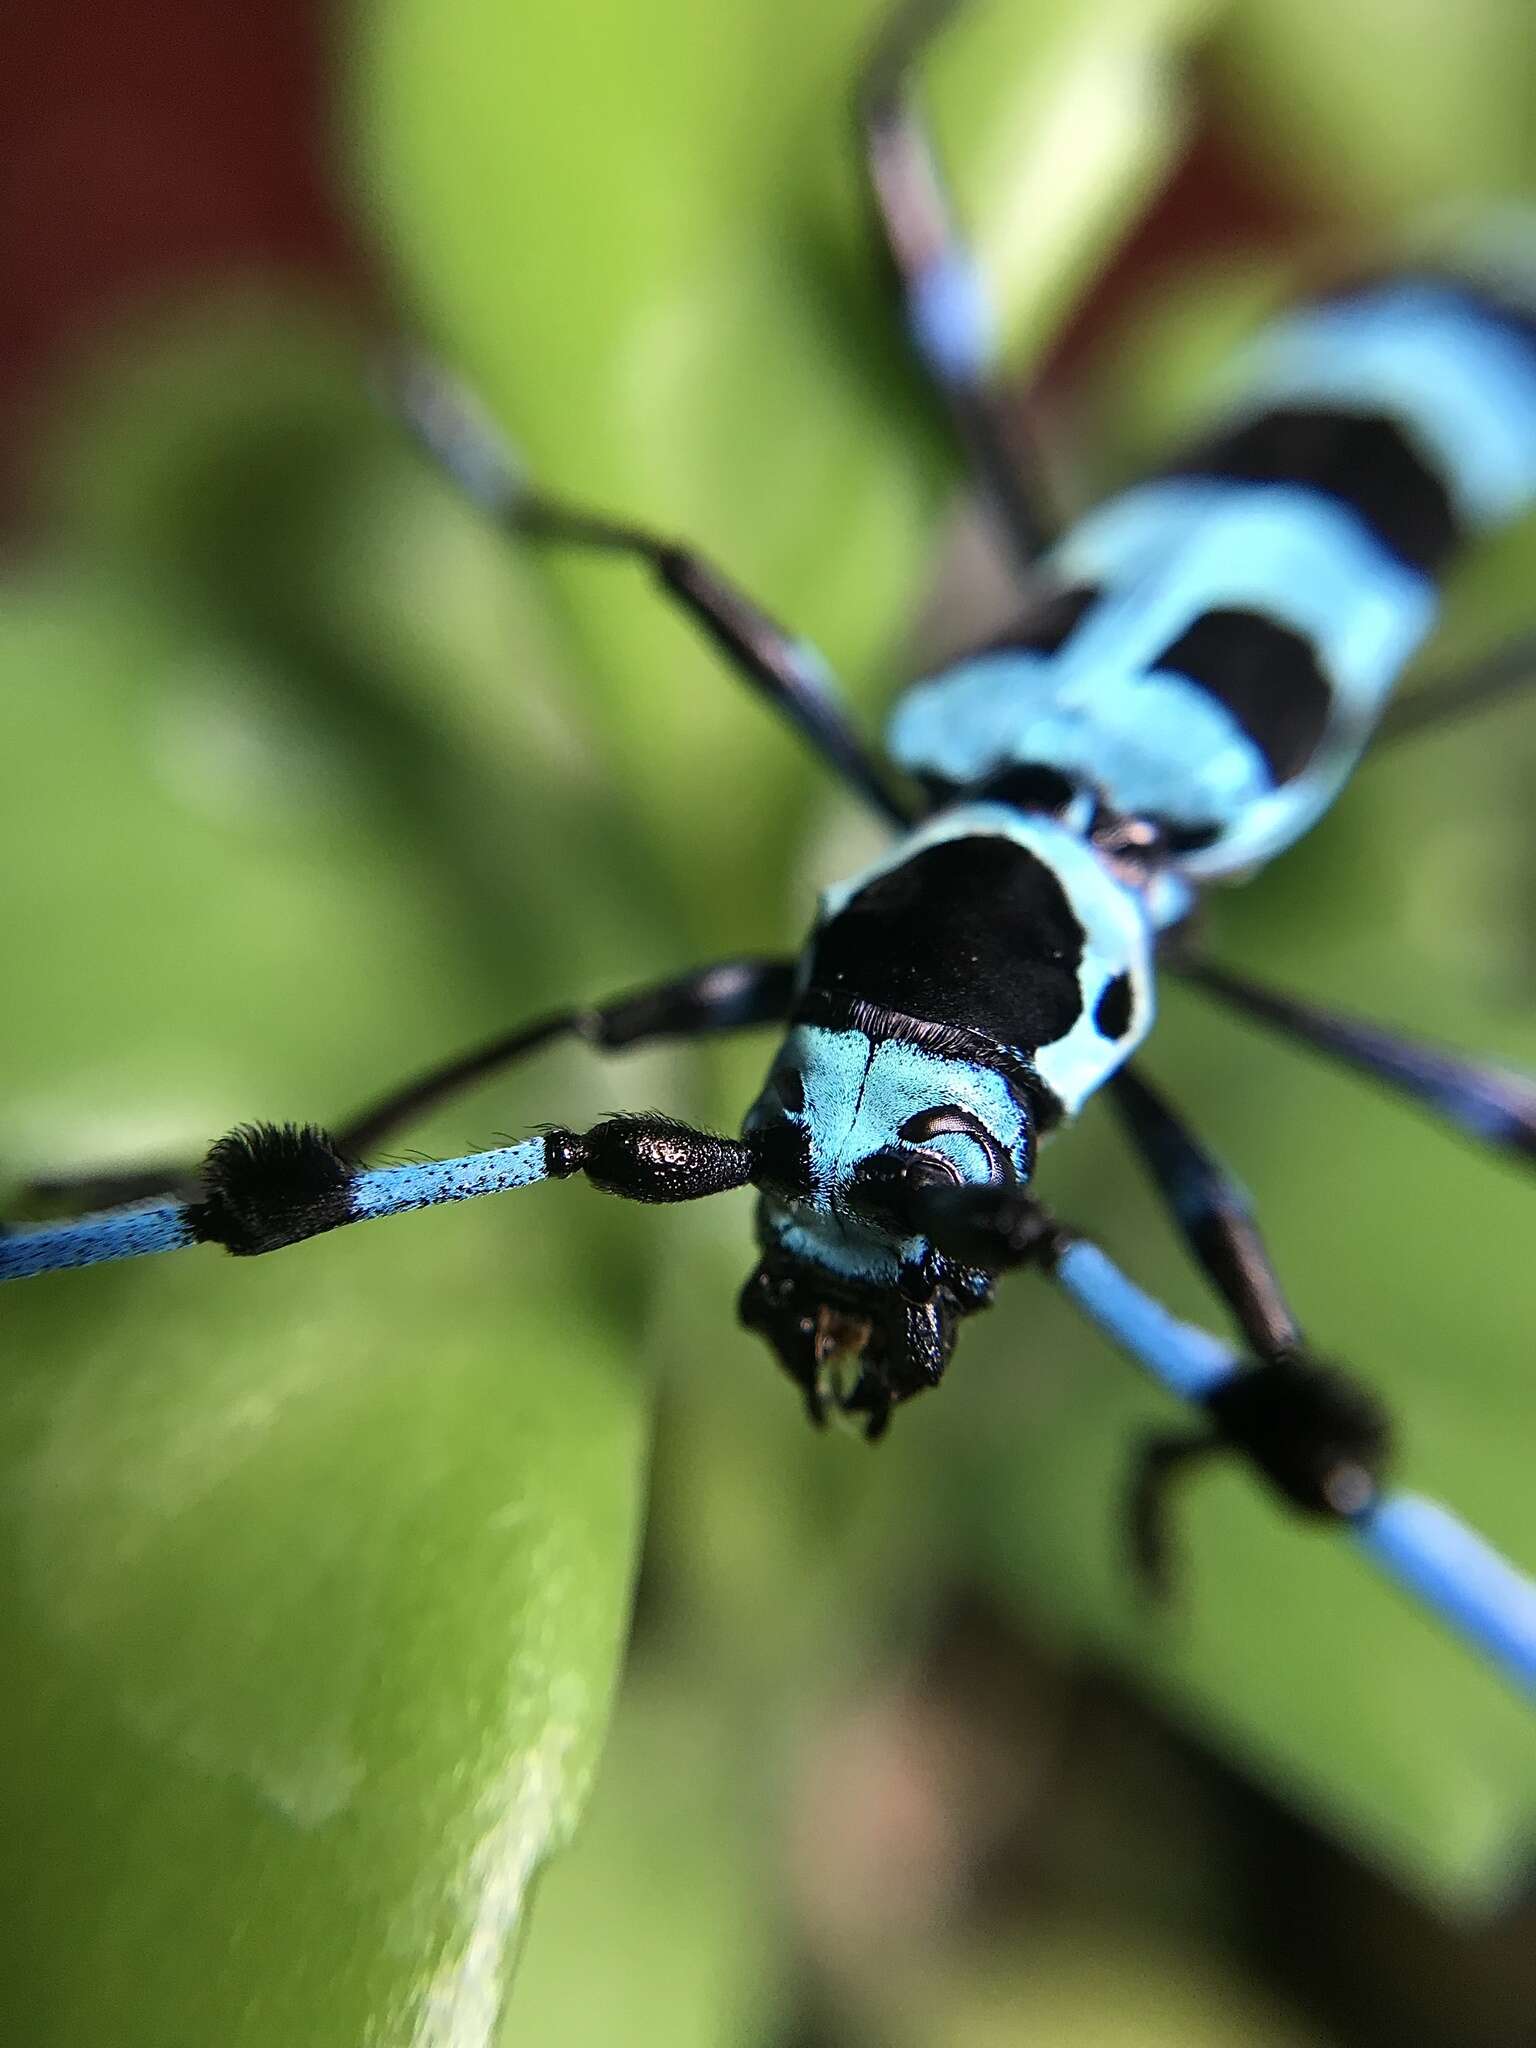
(93,1240)
(266,1188)
(1421,1546)
(390,1190)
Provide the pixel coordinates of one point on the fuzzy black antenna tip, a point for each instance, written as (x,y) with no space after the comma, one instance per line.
(266,1185)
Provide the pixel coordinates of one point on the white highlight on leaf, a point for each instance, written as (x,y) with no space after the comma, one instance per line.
(531,1803)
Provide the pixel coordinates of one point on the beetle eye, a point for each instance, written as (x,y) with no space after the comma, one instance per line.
(931,1127)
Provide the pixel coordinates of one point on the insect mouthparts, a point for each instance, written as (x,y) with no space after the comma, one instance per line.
(839,1335)
(841,1341)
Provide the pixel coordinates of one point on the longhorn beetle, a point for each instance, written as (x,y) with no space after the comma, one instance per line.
(1194,671)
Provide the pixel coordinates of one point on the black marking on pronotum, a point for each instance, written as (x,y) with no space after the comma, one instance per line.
(1268,677)
(1365,460)
(974,932)
(267,1185)
(1112,1012)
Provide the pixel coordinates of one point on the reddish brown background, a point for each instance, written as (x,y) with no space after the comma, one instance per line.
(153,143)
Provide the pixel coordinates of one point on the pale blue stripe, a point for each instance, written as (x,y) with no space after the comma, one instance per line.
(386,1190)
(1170,550)
(1163,555)
(1450,1568)
(1173,549)
(1158,744)
(1188,1360)
(1462,386)
(93,1240)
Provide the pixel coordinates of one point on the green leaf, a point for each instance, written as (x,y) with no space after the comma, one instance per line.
(639,233)
(1383,107)
(1072,1987)
(662,1909)
(318,1566)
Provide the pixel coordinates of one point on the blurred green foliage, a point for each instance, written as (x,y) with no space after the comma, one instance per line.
(321,1567)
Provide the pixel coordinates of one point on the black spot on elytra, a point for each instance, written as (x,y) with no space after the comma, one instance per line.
(1367,461)
(1266,675)
(1112,1012)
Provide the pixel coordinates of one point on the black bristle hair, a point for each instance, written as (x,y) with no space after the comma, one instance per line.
(266,1185)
